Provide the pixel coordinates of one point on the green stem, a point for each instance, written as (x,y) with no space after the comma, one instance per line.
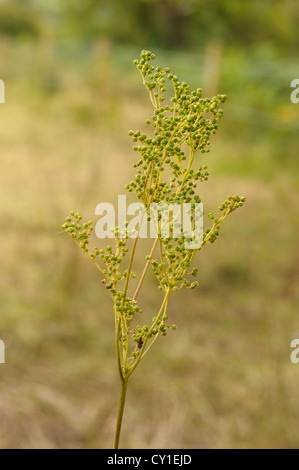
(164,304)
(118,353)
(145,269)
(122,401)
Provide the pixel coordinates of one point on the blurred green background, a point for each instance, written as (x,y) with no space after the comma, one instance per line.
(224,379)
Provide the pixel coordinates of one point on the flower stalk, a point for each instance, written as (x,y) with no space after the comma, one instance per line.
(179,130)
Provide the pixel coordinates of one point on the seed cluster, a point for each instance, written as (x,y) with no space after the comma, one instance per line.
(111,259)
(180,128)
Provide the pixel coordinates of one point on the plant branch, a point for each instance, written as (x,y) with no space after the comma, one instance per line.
(122,400)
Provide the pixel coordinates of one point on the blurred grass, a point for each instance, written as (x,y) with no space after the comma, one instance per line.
(224,378)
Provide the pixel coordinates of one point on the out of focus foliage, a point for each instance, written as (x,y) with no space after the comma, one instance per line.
(16,20)
(167,23)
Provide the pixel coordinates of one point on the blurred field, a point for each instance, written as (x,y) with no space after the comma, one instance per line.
(224,379)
